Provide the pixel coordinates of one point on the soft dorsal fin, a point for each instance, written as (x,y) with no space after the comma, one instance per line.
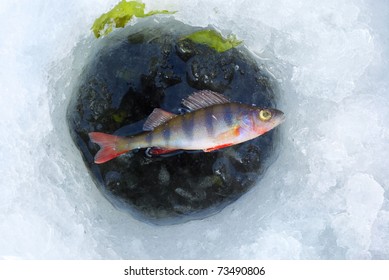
(203,98)
(156,118)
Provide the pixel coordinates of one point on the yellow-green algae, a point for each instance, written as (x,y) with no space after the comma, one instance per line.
(119,116)
(214,40)
(122,13)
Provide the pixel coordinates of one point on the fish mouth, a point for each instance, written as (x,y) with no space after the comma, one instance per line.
(279,117)
(282,118)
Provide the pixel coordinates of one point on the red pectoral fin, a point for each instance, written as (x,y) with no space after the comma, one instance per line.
(218,147)
(229,135)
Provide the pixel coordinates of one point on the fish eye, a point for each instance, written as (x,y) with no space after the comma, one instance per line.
(264,115)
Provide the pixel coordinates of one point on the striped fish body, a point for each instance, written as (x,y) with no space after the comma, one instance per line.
(212,123)
(208,128)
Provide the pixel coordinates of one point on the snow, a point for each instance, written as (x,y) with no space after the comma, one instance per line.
(325,197)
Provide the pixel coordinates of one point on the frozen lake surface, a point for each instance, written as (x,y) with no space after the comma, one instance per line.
(325,197)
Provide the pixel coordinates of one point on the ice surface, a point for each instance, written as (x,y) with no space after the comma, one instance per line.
(326,196)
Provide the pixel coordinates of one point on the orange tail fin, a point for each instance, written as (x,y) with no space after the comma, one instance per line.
(111,146)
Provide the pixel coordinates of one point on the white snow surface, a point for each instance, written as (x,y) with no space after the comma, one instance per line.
(325,196)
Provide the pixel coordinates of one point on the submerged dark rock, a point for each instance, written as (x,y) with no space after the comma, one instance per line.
(148,66)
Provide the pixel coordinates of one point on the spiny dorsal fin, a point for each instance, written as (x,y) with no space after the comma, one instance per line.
(156,118)
(202,99)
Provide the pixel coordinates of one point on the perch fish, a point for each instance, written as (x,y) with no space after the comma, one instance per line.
(213,122)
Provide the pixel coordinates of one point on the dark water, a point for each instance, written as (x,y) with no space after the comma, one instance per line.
(147,66)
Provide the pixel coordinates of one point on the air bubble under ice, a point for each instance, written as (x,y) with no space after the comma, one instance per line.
(325,197)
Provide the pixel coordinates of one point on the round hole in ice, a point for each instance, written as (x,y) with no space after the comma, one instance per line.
(147,66)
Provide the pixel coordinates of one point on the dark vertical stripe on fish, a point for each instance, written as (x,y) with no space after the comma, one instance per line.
(209,119)
(227,114)
(149,139)
(188,125)
(166,134)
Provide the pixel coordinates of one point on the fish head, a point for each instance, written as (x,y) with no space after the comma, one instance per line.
(266,119)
